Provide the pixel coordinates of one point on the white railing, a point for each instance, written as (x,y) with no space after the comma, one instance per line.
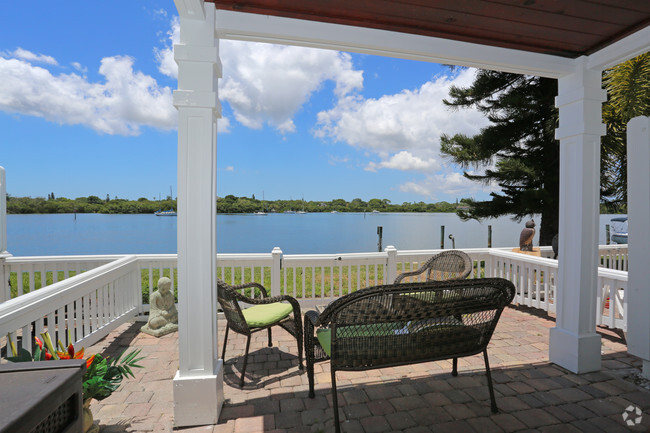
(26,274)
(313,279)
(81,309)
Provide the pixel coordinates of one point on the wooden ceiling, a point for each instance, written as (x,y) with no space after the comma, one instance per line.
(568,28)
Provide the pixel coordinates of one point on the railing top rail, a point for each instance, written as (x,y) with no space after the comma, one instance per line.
(524,258)
(339,256)
(244,256)
(75,258)
(612,273)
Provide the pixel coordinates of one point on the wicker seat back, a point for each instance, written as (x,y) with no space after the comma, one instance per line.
(407,323)
(228,299)
(447,265)
(401,324)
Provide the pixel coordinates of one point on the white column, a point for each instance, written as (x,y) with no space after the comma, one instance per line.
(198,384)
(574,343)
(4,292)
(3,211)
(638,213)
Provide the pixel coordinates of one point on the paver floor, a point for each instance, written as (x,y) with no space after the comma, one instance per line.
(532,393)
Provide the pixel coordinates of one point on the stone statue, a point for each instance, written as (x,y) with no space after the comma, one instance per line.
(526,236)
(163,316)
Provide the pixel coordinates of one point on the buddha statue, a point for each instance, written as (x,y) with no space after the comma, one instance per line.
(163,316)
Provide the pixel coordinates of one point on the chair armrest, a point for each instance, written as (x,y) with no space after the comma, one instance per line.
(262,289)
(400,277)
(312,315)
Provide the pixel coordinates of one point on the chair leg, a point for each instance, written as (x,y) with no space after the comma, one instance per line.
(454,368)
(489,380)
(309,355)
(270,341)
(225,340)
(243,369)
(335,403)
(299,341)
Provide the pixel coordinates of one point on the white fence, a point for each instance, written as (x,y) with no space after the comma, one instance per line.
(90,295)
(81,309)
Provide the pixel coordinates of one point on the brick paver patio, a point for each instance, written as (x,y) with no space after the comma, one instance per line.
(532,393)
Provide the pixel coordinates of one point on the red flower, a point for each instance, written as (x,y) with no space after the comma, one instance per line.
(39,342)
(48,356)
(90,361)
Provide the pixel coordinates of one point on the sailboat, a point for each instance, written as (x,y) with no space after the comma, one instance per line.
(170,212)
(262,211)
(303,206)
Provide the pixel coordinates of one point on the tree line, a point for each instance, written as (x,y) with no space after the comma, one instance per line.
(228,204)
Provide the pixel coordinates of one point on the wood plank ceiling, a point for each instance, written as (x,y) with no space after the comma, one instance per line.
(568,28)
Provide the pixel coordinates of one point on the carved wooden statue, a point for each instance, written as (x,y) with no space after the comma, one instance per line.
(526,236)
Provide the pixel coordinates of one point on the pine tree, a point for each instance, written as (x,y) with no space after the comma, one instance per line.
(518,151)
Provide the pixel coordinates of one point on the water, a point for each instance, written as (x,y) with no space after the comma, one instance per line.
(62,234)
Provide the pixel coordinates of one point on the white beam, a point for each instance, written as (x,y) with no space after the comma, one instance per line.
(198,384)
(190,9)
(289,31)
(620,51)
(574,343)
(638,208)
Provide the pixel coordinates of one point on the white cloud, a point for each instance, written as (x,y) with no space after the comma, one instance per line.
(403,129)
(268,84)
(79,67)
(445,183)
(124,102)
(32,57)
(165,56)
(406,161)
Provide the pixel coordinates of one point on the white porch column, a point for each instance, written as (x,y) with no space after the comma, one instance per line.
(198,385)
(638,212)
(4,292)
(574,343)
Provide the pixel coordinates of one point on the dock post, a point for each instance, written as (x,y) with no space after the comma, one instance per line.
(489,236)
(442,237)
(380,234)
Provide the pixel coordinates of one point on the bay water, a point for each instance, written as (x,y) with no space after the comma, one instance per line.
(311,233)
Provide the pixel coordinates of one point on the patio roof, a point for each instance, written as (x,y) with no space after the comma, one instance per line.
(567,28)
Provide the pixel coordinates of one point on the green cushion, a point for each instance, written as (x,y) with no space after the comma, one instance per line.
(324,335)
(266,314)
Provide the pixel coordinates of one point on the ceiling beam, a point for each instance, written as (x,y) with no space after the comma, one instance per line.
(620,51)
(288,31)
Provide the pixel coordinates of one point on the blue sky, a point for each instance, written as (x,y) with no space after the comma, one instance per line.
(85,109)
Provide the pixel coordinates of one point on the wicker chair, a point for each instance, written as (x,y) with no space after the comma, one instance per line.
(447,265)
(265,313)
(400,324)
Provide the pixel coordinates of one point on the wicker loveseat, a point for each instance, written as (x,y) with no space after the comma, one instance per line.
(401,324)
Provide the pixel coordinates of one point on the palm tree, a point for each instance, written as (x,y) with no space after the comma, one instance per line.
(628,89)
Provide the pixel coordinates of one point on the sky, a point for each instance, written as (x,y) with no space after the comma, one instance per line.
(86,109)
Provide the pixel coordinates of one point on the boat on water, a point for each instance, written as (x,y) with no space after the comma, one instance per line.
(170,212)
(618,232)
